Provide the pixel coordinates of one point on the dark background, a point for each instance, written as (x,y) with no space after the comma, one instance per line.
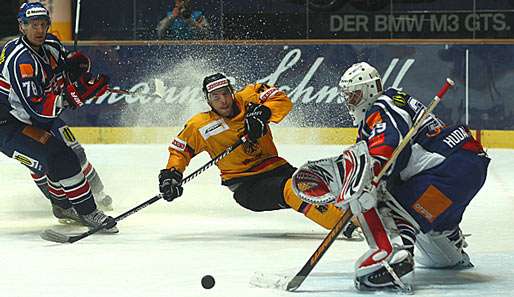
(491,66)
(296,19)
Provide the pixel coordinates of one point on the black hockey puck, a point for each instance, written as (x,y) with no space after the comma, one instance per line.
(208,281)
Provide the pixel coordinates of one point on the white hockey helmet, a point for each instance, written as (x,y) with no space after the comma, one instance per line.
(360,87)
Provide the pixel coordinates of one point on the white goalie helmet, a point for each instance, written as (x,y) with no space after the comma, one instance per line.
(360,87)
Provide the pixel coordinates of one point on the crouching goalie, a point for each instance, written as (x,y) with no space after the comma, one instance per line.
(420,200)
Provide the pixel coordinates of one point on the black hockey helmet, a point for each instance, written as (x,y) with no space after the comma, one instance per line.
(214,82)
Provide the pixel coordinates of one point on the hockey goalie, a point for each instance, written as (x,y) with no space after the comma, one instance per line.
(420,200)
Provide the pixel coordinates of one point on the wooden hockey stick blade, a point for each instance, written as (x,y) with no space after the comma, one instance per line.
(298,279)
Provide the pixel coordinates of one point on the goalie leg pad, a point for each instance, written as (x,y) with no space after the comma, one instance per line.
(443,250)
(387,264)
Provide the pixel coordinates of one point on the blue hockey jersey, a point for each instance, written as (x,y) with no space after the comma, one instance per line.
(388,121)
(31,82)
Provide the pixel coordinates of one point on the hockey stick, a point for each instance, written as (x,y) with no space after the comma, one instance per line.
(77,19)
(135,93)
(298,279)
(58,237)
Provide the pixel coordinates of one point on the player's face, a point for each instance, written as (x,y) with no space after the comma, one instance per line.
(352,98)
(35,31)
(221,100)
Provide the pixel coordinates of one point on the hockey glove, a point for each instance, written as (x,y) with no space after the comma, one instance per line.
(256,121)
(169,184)
(77,64)
(86,87)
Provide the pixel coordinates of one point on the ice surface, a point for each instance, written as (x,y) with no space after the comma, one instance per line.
(166,248)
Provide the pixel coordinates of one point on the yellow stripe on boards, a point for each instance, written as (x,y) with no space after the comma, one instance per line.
(281,135)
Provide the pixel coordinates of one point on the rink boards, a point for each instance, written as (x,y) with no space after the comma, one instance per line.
(282,135)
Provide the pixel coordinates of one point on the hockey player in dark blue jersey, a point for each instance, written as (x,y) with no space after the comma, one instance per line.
(421,199)
(38,80)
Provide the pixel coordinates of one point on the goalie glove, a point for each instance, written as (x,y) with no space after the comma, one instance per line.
(344,180)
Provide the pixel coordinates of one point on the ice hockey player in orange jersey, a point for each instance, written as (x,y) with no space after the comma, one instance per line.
(258,177)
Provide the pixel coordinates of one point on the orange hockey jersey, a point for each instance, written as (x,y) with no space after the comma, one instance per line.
(208,131)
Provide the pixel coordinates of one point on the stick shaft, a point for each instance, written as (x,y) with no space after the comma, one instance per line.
(414,129)
(188,178)
(127,92)
(77,22)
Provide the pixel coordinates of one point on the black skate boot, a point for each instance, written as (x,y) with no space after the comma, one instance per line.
(66,215)
(97,218)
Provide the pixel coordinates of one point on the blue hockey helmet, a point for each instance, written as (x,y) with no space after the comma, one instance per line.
(32,10)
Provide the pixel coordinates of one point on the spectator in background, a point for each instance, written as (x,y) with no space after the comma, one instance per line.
(183,23)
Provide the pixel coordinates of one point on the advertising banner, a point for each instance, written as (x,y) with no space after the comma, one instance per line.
(313,19)
(308,73)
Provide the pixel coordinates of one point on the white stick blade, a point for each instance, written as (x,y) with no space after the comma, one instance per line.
(51,235)
(270,281)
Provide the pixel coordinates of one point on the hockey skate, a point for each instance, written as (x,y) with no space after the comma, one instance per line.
(98,218)
(396,275)
(66,215)
(103,201)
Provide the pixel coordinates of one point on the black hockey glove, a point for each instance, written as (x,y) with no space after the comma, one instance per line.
(169,184)
(256,121)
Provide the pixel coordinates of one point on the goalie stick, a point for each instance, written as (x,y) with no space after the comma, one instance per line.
(54,236)
(298,279)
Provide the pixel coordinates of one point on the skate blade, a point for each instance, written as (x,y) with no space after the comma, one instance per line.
(66,221)
(112,230)
(407,289)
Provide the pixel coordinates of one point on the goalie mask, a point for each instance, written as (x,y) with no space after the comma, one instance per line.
(335,180)
(360,87)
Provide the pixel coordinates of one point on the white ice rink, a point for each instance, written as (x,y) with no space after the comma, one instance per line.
(166,248)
